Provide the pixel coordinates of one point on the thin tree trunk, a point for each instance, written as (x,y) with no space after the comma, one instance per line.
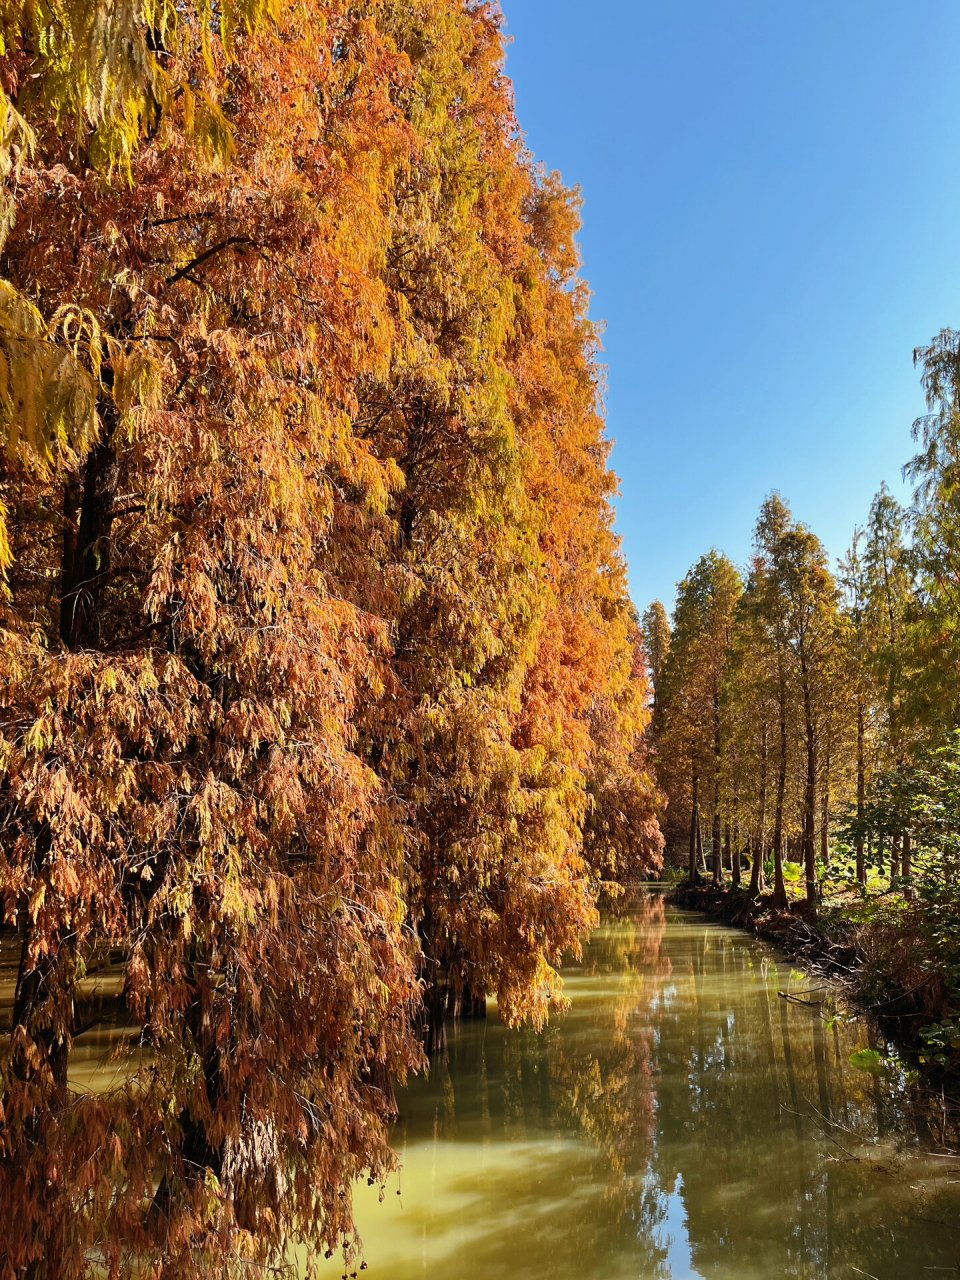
(779,885)
(33,990)
(907,864)
(825,808)
(716,837)
(693,869)
(810,787)
(758,851)
(895,860)
(861,792)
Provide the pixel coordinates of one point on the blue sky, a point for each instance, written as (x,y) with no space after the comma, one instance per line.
(771,224)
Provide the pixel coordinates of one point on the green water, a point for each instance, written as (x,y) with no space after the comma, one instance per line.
(682,1120)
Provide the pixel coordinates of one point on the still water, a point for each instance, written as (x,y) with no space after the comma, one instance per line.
(682,1120)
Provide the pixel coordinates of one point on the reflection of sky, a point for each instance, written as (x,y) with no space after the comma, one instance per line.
(673,1237)
(668,1128)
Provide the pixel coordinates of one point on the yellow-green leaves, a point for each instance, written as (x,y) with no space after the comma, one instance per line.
(17,144)
(109,73)
(48,390)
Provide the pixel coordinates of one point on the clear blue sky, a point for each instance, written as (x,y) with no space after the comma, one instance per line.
(772,223)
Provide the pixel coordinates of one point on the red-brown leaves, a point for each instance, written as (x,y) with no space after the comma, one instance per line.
(318,670)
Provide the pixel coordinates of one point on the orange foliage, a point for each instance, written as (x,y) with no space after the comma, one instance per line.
(321,700)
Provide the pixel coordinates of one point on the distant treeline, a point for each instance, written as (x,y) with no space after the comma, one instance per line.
(806,714)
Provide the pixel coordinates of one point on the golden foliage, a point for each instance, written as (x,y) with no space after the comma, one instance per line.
(321,704)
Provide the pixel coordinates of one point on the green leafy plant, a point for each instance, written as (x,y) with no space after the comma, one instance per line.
(939,1039)
(871,1060)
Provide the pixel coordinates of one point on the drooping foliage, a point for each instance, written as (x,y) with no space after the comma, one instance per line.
(323,705)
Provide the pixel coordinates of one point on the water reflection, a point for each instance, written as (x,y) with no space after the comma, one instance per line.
(683,1120)
(105,1048)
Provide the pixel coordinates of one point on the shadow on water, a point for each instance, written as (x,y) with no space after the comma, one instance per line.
(683,1120)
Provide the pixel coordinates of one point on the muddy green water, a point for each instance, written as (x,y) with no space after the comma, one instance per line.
(681,1121)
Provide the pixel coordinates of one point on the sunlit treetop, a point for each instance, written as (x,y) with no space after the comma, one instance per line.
(106,74)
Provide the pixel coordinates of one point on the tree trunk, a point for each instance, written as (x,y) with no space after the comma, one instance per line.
(779,885)
(895,860)
(33,990)
(906,866)
(825,808)
(196,1153)
(35,998)
(473,1003)
(736,870)
(810,786)
(758,851)
(716,836)
(861,792)
(692,869)
(435,979)
(86,560)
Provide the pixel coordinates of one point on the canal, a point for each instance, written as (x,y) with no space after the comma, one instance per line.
(683,1119)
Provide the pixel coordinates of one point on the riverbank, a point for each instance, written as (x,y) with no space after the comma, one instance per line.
(883,954)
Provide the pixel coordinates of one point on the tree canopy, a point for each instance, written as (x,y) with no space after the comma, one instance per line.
(324,705)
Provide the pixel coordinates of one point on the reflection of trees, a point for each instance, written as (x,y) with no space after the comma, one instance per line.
(678,1081)
(678,1070)
(589,1076)
(606,1080)
(772,1130)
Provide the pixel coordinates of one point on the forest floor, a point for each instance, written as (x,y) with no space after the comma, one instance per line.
(882,951)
